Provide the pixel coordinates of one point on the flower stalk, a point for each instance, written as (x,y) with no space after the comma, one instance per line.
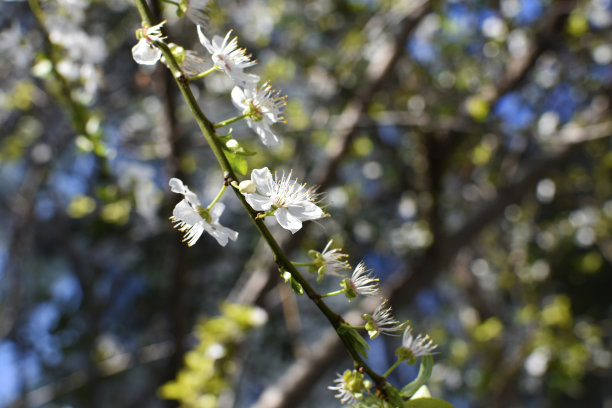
(217,198)
(203,74)
(230,121)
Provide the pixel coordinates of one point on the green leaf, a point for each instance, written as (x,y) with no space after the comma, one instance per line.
(422,377)
(355,339)
(233,146)
(238,163)
(295,285)
(427,403)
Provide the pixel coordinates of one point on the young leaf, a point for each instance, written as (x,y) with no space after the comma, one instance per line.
(355,339)
(427,403)
(422,377)
(238,163)
(295,285)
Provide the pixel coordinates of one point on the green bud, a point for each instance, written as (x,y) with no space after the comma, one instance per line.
(178,52)
(349,292)
(370,326)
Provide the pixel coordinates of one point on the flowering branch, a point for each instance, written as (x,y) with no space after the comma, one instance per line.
(208,131)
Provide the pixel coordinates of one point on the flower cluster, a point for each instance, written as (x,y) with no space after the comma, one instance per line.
(261,106)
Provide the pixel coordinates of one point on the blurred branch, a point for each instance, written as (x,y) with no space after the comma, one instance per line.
(518,68)
(111,366)
(378,71)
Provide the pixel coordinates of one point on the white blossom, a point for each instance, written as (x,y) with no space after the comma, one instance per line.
(419,345)
(382,321)
(229,58)
(342,386)
(264,106)
(332,260)
(290,202)
(192,218)
(144,52)
(362,282)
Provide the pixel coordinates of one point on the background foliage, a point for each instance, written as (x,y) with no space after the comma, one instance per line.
(464,148)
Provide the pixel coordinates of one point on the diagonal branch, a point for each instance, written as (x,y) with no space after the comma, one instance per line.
(349,120)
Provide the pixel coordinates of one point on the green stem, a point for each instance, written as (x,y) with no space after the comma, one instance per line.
(281,258)
(174,3)
(230,121)
(203,74)
(334,293)
(218,197)
(303,264)
(390,370)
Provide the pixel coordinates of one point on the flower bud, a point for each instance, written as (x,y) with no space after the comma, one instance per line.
(232,144)
(246,186)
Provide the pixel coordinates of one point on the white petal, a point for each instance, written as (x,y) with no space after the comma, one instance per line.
(306,211)
(287,220)
(185,213)
(205,41)
(263,180)
(221,233)
(177,186)
(243,78)
(145,54)
(216,212)
(194,233)
(258,202)
(267,137)
(238,98)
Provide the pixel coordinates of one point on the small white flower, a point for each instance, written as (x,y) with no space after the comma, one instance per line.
(362,282)
(290,202)
(329,261)
(382,321)
(144,52)
(192,218)
(419,345)
(344,384)
(229,58)
(265,106)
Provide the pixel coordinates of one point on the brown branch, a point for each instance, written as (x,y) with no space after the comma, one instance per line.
(349,119)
